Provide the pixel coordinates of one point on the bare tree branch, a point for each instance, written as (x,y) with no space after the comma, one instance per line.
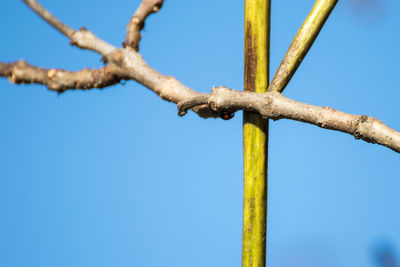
(125,64)
(87,40)
(137,21)
(49,18)
(128,64)
(20,72)
(275,106)
(61,80)
(83,38)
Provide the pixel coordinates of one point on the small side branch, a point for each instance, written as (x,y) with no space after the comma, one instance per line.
(20,72)
(83,38)
(136,23)
(128,64)
(49,18)
(275,106)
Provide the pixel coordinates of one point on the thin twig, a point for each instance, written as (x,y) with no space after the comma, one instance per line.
(20,72)
(47,16)
(137,21)
(275,106)
(83,38)
(127,64)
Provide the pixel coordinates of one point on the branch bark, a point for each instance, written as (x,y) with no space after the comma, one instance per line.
(275,106)
(49,18)
(128,64)
(20,72)
(137,21)
(83,38)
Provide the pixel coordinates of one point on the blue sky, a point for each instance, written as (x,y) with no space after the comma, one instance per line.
(114,177)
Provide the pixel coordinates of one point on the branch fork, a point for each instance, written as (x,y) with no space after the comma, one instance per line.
(127,64)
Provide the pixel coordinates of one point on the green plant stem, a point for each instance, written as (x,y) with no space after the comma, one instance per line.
(255,134)
(302,42)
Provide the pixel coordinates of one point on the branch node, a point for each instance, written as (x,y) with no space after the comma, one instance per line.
(51,73)
(185,105)
(135,20)
(156,9)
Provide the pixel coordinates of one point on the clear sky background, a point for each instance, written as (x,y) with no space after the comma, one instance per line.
(114,177)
